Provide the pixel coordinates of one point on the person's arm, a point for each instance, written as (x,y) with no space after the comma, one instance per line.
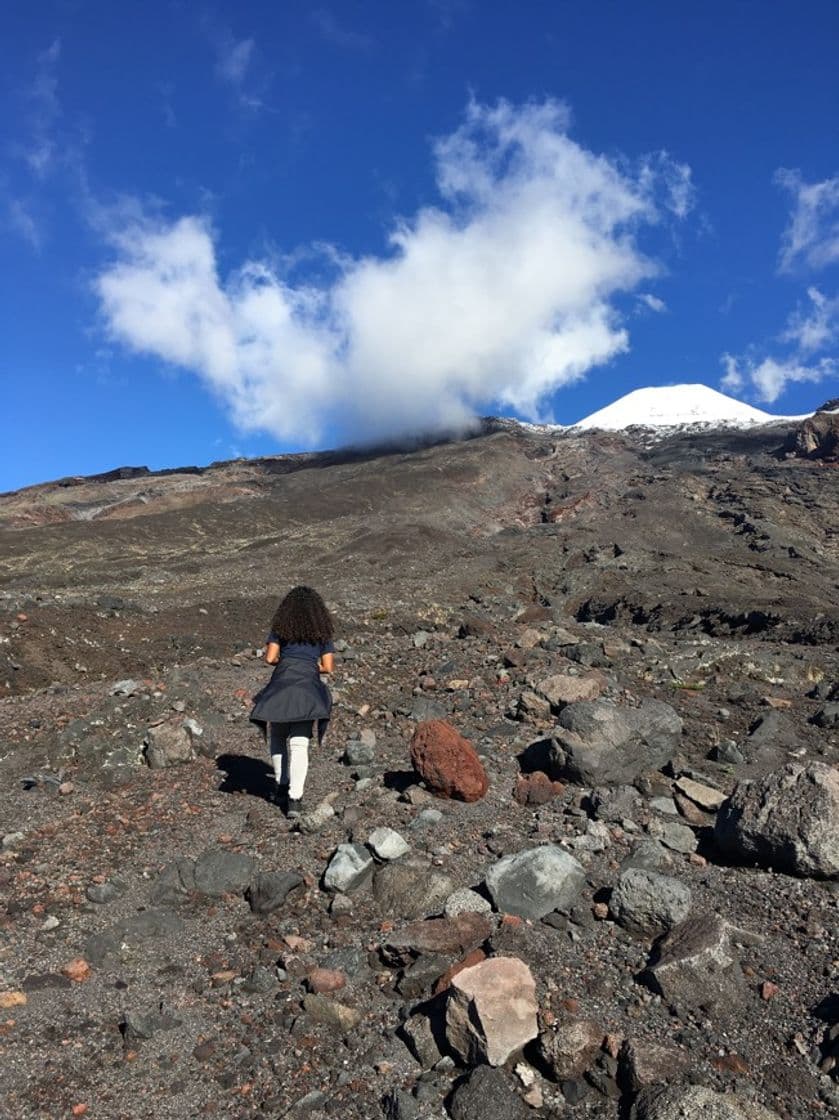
(272,653)
(326,663)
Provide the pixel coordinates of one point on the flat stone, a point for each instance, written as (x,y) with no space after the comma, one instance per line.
(677,837)
(350,868)
(492,1011)
(454,936)
(534,882)
(706,797)
(337,1016)
(466,901)
(561,689)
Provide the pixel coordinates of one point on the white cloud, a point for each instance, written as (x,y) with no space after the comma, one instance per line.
(769,378)
(233,59)
(344,37)
(654,303)
(812,237)
(504,293)
(818,329)
(24,222)
(234,64)
(43,111)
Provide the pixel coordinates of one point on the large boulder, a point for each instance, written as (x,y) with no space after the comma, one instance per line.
(817,437)
(788,820)
(534,882)
(491,1011)
(695,1102)
(447,763)
(599,743)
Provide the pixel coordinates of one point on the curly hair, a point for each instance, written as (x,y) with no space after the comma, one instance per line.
(302,617)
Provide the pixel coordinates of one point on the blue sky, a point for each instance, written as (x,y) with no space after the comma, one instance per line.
(243,229)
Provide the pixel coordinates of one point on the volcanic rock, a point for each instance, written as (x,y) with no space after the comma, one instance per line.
(536,881)
(269,890)
(788,820)
(816,438)
(411,887)
(447,763)
(168,744)
(219,872)
(696,964)
(488,1095)
(599,743)
(647,903)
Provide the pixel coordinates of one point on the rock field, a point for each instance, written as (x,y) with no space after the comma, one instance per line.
(570,847)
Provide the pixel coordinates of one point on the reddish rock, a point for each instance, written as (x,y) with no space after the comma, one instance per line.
(77,970)
(459,934)
(447,762)
(536,789)
(475,957)
(324,980)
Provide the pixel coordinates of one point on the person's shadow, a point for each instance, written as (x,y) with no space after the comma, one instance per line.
(244,774)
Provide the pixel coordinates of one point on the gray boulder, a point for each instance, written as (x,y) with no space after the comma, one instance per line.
(269,890)
(411,888)
(647,903)
(599,743)
(788,820)
(534,882)
(218,872)
(488,1095)
(696,965)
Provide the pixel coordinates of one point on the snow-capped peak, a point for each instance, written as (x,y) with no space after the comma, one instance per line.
(671,406)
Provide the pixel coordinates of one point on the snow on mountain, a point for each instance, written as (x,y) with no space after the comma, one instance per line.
(672,406)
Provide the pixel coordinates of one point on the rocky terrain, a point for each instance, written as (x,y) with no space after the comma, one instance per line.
(571,844)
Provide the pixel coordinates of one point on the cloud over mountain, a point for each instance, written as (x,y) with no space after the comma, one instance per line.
(502,292)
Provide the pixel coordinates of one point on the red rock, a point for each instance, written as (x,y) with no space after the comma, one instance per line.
(475,957)
(768,989)
(447,763)
(536,789)
(323,980)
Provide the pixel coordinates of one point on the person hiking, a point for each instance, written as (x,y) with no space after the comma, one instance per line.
(296,701)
